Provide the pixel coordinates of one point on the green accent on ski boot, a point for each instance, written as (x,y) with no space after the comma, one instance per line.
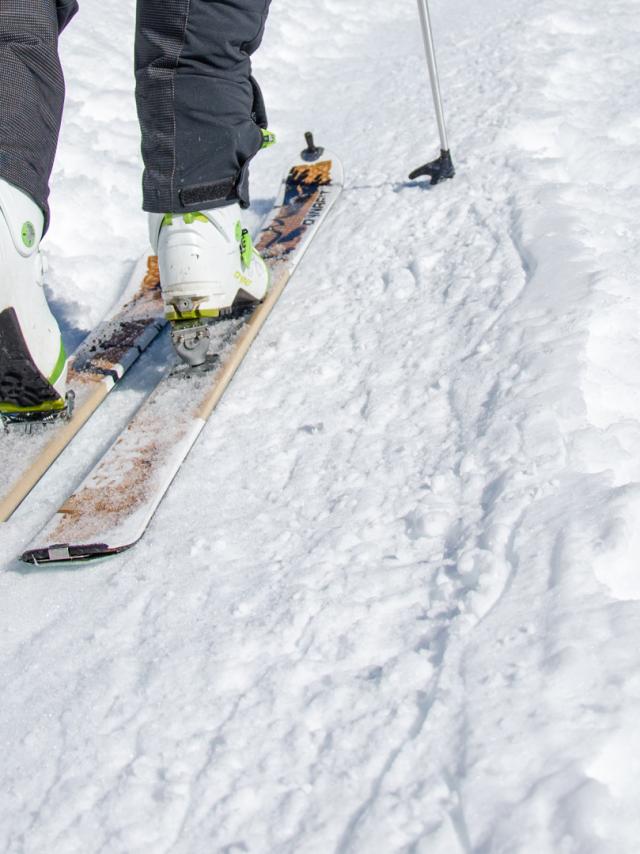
(246,248)
(188,218)
(49,406)
(174,316)
(28,234)
(268,138)
(238,231)
(59,366)
(196,216)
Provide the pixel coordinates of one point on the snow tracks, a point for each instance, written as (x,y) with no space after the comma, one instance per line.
(390,604)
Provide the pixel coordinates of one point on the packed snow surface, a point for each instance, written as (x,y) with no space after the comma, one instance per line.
(392,601)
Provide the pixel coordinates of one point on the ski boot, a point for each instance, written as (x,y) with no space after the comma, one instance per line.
(32,357)
(208,269)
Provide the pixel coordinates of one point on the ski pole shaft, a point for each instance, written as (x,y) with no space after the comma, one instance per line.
(427,34)
(442,167)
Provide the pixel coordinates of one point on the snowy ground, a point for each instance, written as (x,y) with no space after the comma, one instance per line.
(392,602)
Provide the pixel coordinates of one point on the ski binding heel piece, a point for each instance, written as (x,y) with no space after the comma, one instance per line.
(191,342)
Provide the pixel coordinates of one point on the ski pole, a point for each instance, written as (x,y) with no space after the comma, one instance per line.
(442,167)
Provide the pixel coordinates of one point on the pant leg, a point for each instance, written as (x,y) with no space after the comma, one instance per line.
(31,92)
(200,110)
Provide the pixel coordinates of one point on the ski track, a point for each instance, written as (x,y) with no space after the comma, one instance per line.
(391,601)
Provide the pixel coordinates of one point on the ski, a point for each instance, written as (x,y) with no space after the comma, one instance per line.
(29,448)
(112,508)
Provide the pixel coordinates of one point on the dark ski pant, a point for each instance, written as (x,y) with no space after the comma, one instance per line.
(200,109)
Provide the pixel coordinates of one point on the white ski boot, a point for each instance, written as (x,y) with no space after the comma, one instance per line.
(208,267)
(32,356)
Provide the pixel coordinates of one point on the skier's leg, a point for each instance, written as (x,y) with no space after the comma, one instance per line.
(200,111)
(32,359)
(31,92)
(201,115)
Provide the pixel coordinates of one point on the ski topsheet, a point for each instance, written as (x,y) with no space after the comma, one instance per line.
(113,506)
(97,365)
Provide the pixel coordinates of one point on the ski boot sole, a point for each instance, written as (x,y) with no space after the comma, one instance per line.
(23,388)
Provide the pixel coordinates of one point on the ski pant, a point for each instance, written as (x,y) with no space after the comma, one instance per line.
(200,109)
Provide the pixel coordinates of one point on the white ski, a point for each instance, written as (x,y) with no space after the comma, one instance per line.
(113,506)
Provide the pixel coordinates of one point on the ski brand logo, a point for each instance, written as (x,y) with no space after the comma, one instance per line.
(317,207)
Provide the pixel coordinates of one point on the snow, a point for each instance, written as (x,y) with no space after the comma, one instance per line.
(392,601)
